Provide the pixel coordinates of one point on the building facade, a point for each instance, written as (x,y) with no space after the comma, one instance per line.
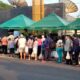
(57,8)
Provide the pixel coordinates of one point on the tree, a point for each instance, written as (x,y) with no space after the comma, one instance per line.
(4,6)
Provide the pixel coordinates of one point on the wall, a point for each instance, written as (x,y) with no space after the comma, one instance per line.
(57,8)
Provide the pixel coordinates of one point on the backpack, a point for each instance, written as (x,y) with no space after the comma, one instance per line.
(46,44)
(52,44)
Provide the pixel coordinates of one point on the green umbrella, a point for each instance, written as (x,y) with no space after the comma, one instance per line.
(51,22)
(19,22)
(75,25)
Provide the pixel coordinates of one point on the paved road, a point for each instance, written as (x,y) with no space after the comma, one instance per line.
(15,69)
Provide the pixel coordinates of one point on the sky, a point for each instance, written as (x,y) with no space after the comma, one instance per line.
(29,1)
(75,14)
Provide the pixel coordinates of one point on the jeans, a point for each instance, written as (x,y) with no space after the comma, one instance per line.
(60,53)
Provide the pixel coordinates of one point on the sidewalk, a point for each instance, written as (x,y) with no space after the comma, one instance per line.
(7,56)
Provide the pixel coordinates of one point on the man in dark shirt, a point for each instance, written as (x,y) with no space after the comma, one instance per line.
(76,49)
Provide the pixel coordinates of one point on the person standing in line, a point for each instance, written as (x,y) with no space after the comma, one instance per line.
(30,47)
(39,45)
(47,43)
(68,49)
(4,41)
(43,48)
(21,45)
(11,46)
(43,51)
(59,49)
(35,48)
(76,49)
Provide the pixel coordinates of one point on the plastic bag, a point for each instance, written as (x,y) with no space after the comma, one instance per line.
(54,54)
(40,56)
(68,55)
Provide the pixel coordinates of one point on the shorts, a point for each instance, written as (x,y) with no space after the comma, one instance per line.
(35,51)
(12,50)
(30,51)
(21,49)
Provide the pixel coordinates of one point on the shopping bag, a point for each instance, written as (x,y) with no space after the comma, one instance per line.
(40,56)
(54,54)
(68,55)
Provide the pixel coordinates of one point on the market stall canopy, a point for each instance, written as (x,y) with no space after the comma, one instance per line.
(19,22)
(51,22)
(75,25)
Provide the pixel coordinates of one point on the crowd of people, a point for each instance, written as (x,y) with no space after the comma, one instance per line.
(66,47)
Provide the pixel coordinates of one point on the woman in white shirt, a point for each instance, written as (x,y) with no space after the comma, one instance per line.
(21,45)
(35,48)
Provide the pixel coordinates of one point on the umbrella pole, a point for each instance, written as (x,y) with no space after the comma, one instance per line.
(75,32)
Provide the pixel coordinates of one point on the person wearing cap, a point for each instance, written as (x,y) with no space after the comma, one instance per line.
(21,46)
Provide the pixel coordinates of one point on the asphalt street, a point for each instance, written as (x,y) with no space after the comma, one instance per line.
(15,69)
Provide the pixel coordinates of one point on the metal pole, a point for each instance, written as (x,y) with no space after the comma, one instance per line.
(40,9)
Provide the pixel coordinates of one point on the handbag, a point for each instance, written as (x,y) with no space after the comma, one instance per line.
(54,54)
(68,55)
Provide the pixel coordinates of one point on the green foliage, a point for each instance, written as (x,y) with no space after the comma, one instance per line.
(4,6)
